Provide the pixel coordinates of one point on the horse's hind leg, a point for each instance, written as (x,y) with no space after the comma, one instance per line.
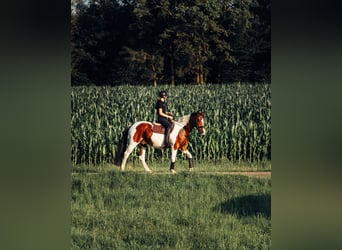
(128,151)
(142,157)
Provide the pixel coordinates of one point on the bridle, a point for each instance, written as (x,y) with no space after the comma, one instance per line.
(200,128)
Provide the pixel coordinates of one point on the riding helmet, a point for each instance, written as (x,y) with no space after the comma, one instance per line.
(162,94)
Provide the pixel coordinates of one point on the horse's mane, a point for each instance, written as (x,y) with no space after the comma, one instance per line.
(183,119)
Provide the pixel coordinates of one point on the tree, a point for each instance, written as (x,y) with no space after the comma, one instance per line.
(175,41)
(100,31)
(147,66)
(195,36)
(145,53)
(249,23)
(261,66)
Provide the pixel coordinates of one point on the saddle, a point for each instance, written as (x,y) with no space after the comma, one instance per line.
(159,129)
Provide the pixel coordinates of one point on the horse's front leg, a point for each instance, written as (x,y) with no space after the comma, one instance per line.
(189,156)
(173,160)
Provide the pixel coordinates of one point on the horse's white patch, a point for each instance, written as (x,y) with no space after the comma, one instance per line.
(157,140)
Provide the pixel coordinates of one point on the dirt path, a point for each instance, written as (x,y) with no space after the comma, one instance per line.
(247,173)
(261,174)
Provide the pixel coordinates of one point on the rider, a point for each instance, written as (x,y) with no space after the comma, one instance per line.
(164,117)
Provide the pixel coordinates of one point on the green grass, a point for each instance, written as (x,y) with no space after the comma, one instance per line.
(136,210)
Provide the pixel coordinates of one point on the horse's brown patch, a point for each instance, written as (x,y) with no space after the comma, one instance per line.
(143,133)
(181,140)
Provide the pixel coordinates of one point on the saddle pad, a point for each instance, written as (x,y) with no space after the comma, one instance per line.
(158,128)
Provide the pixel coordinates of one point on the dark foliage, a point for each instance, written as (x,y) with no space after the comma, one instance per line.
(174,42)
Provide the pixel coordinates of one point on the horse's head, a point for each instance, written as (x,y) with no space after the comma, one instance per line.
(197,119)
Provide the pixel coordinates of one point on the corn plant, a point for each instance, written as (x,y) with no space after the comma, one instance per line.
(237,116)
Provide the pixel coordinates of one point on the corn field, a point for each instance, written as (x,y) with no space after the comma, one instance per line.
(237,119)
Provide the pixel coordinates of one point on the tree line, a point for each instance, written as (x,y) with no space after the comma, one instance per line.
(170,41)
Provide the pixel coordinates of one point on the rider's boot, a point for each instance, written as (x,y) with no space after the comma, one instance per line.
(167,138)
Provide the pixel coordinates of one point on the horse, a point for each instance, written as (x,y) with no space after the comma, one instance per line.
(143,133)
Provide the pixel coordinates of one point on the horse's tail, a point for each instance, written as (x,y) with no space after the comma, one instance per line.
(121,147)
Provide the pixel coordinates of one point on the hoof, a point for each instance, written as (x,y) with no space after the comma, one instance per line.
(173,171)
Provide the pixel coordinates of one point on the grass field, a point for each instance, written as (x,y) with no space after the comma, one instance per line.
(136,210)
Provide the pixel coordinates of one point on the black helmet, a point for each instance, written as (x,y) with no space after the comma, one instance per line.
(162,94)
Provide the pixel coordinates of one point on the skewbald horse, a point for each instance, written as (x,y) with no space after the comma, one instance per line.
(141,133)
